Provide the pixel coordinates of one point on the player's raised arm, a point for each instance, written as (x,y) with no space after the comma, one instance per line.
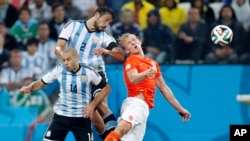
(167,93)
(63,38)
(60,47)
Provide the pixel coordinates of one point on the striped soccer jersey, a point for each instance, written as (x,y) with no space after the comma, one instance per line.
(8,75)
(78,36)
(37,63)
(75,89)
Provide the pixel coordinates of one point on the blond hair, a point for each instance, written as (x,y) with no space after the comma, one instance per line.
(121,39)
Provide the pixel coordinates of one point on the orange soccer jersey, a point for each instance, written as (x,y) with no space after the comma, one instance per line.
(147,86)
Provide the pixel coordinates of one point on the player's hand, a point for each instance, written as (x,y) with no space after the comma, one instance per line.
(185,115)
(150,72)
(100,51)
(89,110)
(25,89)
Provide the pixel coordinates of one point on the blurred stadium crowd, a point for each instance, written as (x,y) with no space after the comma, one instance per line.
(172,32)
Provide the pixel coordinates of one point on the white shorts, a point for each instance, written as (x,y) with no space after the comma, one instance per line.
(135,111)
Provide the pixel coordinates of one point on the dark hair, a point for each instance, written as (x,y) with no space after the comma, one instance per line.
(32,41)
(230,7)
(56,5)
(105,9)
(24,8)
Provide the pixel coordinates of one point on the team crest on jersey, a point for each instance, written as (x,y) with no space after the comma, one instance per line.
(84,78)
(96,39)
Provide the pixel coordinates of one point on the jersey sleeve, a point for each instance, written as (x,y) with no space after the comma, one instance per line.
(4,76)
(52,75)
(66,31)
(130,64)
(97,79)
(109,40)
(158,70)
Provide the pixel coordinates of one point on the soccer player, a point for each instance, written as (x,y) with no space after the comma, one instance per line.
(74,107)
(141,75)
(89,37)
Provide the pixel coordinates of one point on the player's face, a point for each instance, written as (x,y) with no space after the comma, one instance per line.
(102,21)
(132,45)
(70,61)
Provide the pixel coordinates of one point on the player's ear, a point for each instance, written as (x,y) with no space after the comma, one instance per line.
(97,14)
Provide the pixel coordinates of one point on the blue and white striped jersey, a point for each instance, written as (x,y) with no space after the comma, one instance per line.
(75,89)
(37,63)
(47,49)
(8,75)
(78,36)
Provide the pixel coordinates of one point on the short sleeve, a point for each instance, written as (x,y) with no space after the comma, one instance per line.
(130,64)
(52,75)
(67,30)
(158,72)
(95,78)
(108,39)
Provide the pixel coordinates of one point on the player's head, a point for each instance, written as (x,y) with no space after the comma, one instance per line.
(130,43)
(103,17)
(70,59)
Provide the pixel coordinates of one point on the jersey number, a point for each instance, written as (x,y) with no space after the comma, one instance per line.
(82,46)
(73,88)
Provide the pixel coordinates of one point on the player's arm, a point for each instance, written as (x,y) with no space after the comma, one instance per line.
(115,52)
(61,43)
(36,85)
(63,38)
(169,96)
(135,77)
(105,90)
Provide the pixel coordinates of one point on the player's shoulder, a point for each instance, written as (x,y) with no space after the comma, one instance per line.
(85,66)
(132,58)
(58,68)
(73,22)
(88,68)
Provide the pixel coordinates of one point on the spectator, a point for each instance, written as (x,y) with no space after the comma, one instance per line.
(191,38)
(71,11)
(227,54)
(33,60)
(244,57)
(13,75)
(242,11)
(46,45)
(206,12)
(25,27)
(4,97)
(84,5)
(36,99)
(58,20)
(126,25)
(172,15)
(9,42)
(40,10)
(4,54)
(157,39)
(91,11)
(8,13)
(140,9)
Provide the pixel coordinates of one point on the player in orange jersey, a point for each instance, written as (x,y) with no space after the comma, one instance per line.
(141,75)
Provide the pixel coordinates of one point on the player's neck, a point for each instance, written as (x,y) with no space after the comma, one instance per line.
(77,68)
(90,25)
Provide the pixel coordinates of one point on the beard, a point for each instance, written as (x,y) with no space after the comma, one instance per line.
(97,28)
